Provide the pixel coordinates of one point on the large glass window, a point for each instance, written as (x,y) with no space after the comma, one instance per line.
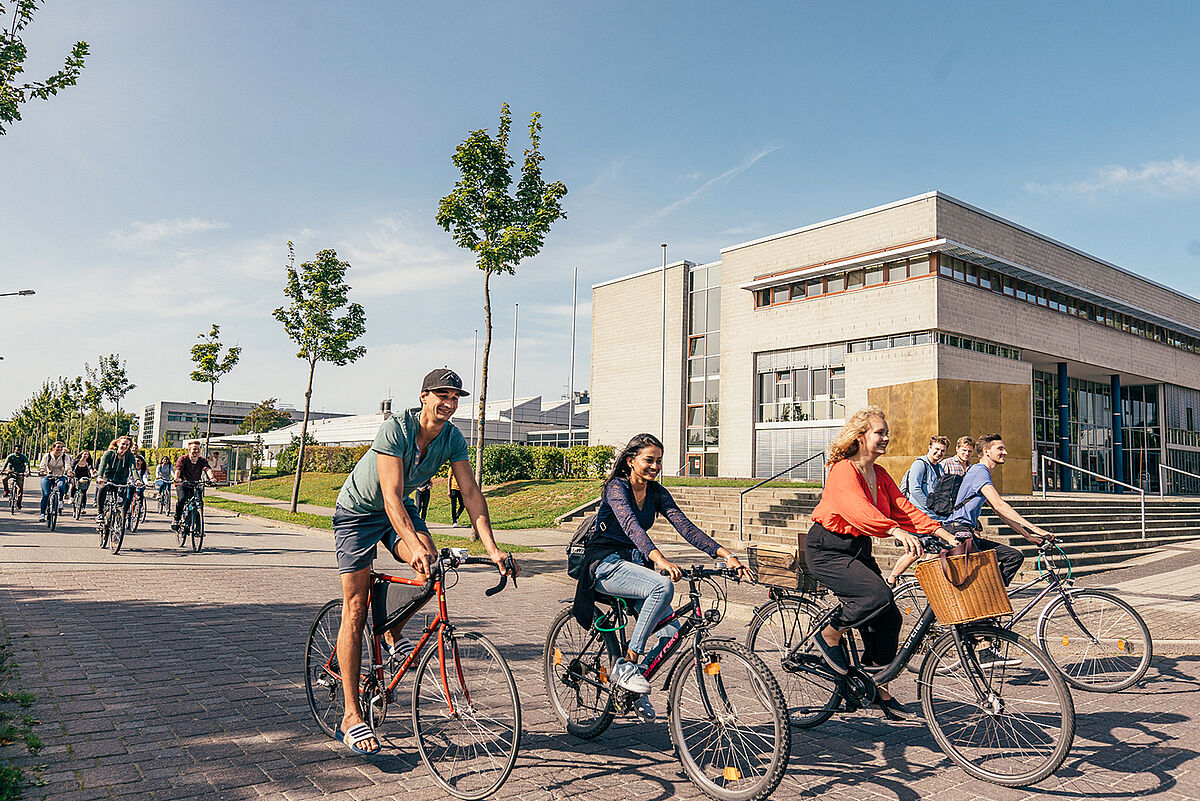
(704,365)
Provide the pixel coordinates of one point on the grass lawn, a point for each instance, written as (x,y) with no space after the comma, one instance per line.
(320,489)
(320,521)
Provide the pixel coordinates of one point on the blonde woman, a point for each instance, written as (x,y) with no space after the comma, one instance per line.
(861,501)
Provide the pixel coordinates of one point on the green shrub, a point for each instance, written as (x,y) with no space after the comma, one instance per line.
(331,458)
(598,458)
(576,461)
(286,460)
(506,463)
(548,462)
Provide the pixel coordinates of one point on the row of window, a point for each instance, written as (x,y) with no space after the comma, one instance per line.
(967,273)
(802,394)
(979,346)
(181,417)
(875,275)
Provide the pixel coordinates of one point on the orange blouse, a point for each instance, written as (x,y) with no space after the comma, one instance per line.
(846,505)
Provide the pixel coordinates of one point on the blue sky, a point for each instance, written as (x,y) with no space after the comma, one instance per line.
(157,196)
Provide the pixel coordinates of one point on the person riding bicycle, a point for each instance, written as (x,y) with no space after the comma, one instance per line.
(619,554)
(141,474)
(192,468)
(162,475)
(15,467)
(861,501)
(375,506)
(116,467)
(81,469)
(54,468)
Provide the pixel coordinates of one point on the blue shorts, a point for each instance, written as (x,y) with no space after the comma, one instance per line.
(355,535)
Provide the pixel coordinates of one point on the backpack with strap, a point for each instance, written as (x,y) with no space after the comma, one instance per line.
(578,545)
(906,479)
(941,500)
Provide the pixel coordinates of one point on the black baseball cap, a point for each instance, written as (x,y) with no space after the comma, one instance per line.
(443,378)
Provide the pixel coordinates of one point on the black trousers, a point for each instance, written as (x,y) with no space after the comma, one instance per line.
(422,499)
(844,564)
(456,505)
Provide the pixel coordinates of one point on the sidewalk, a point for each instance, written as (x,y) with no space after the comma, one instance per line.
(1164,585)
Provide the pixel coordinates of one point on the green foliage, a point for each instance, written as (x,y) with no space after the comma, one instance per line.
(547,462)
(264,417)
(286,460)
(12,63)
(588,462)
(317,291)
(210,366)
(331,458)
(506,463)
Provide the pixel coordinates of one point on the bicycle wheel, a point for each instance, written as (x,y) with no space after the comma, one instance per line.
(466,715)
(105,522)
(137,514)
(196,528)
(575,669)
(735,747)
(52,510)
(116,533)
(78,503)
(911,601)
(1020,731)
(322,681)
(1112,655)
(809,686)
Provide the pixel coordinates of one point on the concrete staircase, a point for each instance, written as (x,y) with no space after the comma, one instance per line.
(1098,531)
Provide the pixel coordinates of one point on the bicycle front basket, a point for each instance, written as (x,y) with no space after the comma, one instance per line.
(980,596)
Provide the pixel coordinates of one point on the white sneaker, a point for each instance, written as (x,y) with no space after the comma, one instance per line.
(42,519)
(643,709)
(629,677)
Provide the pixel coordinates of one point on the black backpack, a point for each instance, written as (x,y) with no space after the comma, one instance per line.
(577,547)
(941,500)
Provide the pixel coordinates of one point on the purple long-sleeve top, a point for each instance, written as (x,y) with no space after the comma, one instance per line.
(621,524)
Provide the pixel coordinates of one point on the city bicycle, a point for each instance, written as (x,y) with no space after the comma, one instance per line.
(191,522)
(726,715)
(53,503)
(79,488)
(112,524)
(164,499)
(466,714)
(1097,641)
(137,511)
(1009,721)
(16,490)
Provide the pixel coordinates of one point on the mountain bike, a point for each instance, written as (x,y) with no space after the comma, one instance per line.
(112,524)
(53,502)
(191,522)
(726,715)
(1008,724)
(1097,641)
(466,714)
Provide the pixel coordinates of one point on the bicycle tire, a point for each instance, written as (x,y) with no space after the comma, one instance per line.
(326,699)
(809,687)
(583,707)
(136,515)
(52,510)
(103,527)
(471,752)
(78,503)
(196,528)
(1042,735)
(718,751)
(116,536)
(1117,661)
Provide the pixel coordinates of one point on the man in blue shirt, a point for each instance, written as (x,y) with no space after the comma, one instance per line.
(375,506)
(922,476)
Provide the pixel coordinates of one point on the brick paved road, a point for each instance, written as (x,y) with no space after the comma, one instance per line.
(162,674)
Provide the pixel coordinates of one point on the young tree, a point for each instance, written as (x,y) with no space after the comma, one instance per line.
(210,366)
(500,228)
(12,63)
(317,291)
(92,395)
(114,385)
(264,417)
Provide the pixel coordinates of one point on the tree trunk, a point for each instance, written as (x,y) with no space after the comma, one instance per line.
(96,432)
(487,349)
(312,366)
(212,389)
(117,421)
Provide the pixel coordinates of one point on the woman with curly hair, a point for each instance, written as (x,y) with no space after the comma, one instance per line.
(861,501)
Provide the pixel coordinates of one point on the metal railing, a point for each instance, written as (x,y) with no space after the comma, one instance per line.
(1141,492)
(1162,480)
(742,494)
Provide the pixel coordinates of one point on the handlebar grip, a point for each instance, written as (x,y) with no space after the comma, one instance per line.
(511,567)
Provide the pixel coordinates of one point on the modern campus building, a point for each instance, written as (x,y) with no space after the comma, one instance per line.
(169,423)
(952,319)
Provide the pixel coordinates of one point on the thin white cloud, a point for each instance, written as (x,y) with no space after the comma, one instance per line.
(1177,177)
(140,234)
(392,256)
(732,172)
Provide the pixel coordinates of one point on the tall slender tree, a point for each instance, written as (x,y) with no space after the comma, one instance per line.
(499,227)
(317,292)
(210,366)
(114,385)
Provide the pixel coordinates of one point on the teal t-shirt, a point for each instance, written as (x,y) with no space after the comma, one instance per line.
(397,436)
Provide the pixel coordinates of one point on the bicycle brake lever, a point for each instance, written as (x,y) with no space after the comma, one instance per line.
(512,568)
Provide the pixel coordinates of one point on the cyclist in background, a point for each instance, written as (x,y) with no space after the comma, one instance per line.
(191,467)
(141,474)
(116,467)
(15,467)
(81,468)
(54,468)
(163,474)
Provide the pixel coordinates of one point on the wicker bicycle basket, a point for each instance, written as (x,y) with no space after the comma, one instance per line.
(982,594)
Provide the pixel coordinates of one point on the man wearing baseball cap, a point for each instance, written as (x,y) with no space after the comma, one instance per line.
(375,506)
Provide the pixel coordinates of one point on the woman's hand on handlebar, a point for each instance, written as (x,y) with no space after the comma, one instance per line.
(732,563)
(666,566)
(910,542)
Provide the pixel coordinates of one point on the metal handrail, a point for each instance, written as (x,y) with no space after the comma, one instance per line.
(742,494)
(1162,483)
(1141,492)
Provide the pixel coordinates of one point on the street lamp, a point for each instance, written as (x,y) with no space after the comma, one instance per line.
(19,292)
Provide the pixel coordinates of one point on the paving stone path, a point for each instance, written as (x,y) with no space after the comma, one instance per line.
(163,674)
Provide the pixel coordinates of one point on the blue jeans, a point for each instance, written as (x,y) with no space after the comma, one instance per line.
(651,592)
(46,483)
